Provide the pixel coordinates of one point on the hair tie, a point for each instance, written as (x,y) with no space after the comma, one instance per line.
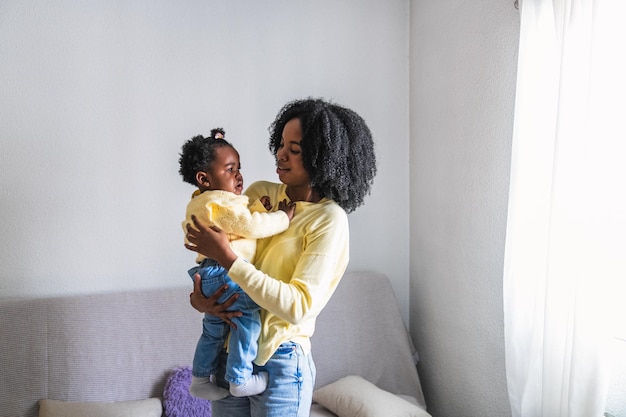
(217,133)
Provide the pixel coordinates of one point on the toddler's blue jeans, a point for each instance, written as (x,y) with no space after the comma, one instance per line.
(243,340)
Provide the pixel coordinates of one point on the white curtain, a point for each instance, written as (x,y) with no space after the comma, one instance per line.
(565,248)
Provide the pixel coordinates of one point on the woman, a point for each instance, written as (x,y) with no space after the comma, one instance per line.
(326,164)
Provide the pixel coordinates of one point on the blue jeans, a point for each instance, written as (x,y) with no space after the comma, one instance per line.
(243,341)
(289,392)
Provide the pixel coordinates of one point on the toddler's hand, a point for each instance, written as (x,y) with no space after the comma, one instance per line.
(288,207)
(267,203)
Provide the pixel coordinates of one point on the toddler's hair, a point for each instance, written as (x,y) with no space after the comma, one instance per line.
(198,153)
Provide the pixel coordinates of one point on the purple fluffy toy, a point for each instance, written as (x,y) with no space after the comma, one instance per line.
(177,400)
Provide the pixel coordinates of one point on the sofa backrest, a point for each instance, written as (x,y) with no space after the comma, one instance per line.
(361,332)
(101,347)
(122,346)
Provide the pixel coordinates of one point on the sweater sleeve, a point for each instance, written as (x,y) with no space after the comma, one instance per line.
(240,221)
(317,272)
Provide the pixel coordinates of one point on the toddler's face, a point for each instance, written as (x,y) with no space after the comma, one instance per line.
(225,171)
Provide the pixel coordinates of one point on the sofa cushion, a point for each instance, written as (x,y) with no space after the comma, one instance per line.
(177,401)
(150,407)
(353,396)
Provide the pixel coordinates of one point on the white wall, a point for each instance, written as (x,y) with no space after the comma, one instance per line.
(463,68)
(98,97)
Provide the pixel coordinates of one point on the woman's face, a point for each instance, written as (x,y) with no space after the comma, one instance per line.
(289,165)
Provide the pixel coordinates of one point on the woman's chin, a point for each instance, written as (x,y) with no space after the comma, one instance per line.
(282,174)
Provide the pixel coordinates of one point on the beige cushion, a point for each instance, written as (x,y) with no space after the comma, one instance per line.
(150,407)
(353,396)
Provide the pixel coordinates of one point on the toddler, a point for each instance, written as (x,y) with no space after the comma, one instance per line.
(212,164)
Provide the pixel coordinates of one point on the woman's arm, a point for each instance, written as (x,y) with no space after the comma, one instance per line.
(297,271)
(306,289)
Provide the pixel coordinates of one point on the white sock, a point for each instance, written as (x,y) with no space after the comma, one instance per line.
(256,384)
(203,387)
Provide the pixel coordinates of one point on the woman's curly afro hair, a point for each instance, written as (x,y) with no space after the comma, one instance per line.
(337,149)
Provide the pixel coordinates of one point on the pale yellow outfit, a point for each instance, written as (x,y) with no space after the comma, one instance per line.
(295,272)
(230,212)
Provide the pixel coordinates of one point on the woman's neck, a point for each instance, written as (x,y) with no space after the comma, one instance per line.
(306,193)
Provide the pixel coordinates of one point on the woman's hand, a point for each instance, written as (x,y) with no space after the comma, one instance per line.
(210,242)
(209,305)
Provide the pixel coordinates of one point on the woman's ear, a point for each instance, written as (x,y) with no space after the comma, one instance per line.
(202,179)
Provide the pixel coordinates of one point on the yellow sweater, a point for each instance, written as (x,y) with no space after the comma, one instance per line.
(301,269)
(230,212)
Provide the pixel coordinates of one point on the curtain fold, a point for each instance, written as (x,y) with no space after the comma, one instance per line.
(563,270)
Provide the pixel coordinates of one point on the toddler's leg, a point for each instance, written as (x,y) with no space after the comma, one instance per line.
(203,387)
(254,385)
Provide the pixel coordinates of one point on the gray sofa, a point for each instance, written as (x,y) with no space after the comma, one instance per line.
(115,347)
